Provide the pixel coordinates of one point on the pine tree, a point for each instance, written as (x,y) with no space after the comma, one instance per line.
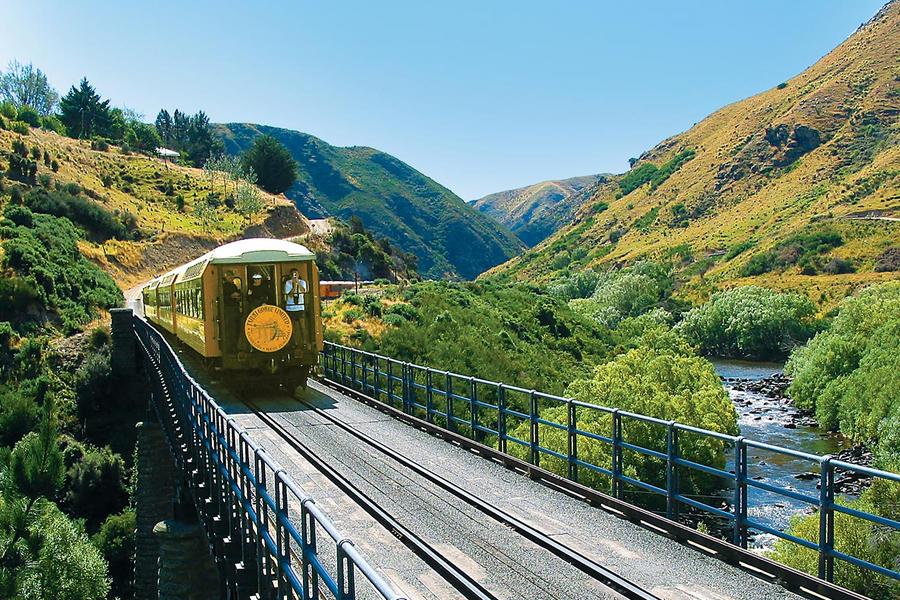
(164,126)
(274,166)
(83,112)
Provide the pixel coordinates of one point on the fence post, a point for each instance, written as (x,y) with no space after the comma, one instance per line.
(501,418)
(406,388)
(429,407)
(826,519)
(616,454)
(573,441)
(739,537)
(473,407)
(534,442)
(449,393)
(365,368)
(671,470)
(343,365)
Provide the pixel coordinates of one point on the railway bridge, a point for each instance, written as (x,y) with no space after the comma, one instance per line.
(389,480)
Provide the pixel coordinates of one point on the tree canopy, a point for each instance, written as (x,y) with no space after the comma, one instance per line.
(27,86)
(83,112)
(274,166)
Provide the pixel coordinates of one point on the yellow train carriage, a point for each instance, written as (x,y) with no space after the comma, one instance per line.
(251,305)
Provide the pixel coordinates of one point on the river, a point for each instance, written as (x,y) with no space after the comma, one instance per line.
(763,419)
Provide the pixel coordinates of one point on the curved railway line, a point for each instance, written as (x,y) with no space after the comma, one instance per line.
(460,580)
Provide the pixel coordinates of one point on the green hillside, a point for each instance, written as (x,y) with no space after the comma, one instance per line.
(797,187)
(535,212)
(450,238)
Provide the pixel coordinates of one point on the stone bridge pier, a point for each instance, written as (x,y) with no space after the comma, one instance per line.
(172,558)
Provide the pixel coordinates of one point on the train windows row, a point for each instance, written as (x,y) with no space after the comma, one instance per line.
(189,300)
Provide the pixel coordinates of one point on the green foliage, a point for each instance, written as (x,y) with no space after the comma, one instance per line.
(856,537)
(46,256)
(738,249)
(272,163)
(750,322)
(83,112)
(27,86)
(95,486)
(96,220)
(94,385)
(666,384)
(670,167)
(355,251)
(803,249)
(60,562)
(540,342)
(115,540)
(18,416)
(8,110)
(28,115)
(850,373)
(19,127)
(627,292)
(656,176)
(52,123)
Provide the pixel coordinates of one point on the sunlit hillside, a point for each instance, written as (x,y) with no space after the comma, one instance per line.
(796,187)
(157,200)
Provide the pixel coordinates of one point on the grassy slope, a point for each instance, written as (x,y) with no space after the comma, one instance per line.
(535,212)
(393,200)
(741,190)
(137,185)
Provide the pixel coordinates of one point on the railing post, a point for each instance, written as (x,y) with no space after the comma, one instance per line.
(572,431)
(429,407)
(501,418)
(473,407)
(449,393)
(352,367)
(616,454)
(407,388)
(343,365)
(308,535)
(365,368)
(671,470)
(535,453)
(390,382)
(739,533)
(345,575)
(826,519)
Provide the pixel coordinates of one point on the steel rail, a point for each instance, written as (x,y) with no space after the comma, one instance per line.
(580,561)
(459,579)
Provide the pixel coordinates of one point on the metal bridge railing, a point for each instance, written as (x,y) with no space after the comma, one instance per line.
(265,531)
(488,411)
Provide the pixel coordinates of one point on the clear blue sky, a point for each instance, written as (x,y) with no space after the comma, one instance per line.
(481,96)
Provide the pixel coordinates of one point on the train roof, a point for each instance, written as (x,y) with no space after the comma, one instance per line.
(259,250)
(253,250)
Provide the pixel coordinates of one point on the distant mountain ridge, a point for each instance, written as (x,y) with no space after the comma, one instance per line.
(395,201)
(797,187)
(536,211)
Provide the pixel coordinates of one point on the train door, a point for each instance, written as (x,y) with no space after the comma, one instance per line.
(231,291)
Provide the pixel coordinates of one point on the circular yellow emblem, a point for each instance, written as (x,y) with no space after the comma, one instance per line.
(268,328)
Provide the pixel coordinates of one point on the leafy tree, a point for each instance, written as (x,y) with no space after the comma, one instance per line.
(750,322)
(626,293)
(273,164)
(850,373)
(247,201)
(95,486)
(670,384)
(26,85)
(142,136)
(84,113)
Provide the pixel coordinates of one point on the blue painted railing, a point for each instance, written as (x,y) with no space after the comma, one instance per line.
(488,410)
(245,499)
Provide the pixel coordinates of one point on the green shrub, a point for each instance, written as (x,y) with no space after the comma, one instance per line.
(407,311)
(663,384)
(839,266)
(750,322)
(95,486)
(352,315)
(8,109)
(26,114)
(637,177)
(100,144)
(52,123)
(54,165)
(20,128)
(18,416)
(850,373)
(854,536)
(782,85)
(95,219)
(115,540)
(393,320)
(625,293)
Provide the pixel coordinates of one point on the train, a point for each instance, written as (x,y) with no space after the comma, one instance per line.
(249,308)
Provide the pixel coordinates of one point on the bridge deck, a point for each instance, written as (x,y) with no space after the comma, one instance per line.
(507,564)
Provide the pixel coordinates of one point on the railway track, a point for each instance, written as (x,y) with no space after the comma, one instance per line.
(460,580)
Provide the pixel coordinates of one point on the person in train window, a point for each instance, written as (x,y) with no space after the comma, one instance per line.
(260,291)
(231,293)
(295,289)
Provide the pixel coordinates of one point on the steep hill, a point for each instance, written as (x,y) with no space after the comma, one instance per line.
(395,201)
(535,212)
(791,188)
(139,212)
